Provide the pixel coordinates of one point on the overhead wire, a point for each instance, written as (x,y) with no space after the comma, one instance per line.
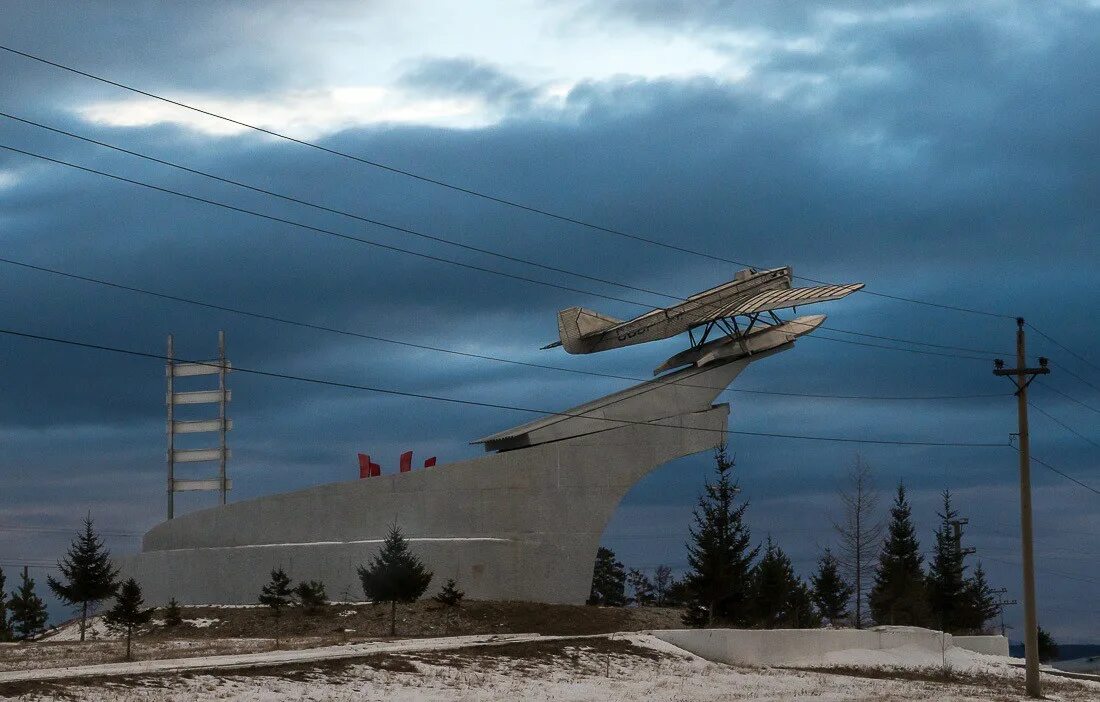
(1062,424)
(458,188)
(1067,396)
(412,232)
(477,403)
(439,349)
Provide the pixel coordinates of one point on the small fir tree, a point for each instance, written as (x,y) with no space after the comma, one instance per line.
(449,595)
(946,574)
(608,580)
(1048,649)
(28,611)
(803,613)
(717,586)
(172,614)
(898,595)
(278,595)
(830,593)
(780,598)
(981,602)
(127,613)
(87,575)
(394,575)
(312,596)
(641,588)
(5,624)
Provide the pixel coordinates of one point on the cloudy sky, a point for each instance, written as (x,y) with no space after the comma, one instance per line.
(934,153)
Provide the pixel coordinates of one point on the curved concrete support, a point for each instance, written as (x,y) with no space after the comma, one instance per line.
(520,524)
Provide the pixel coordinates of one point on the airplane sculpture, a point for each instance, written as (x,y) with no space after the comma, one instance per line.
(749,295)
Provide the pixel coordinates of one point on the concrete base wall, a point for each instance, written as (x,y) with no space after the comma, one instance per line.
(794,646)
(993,645)
(519,525)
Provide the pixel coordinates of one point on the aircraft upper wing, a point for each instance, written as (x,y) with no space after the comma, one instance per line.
(790,297)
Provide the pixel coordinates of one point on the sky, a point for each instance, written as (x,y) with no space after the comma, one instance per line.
(931,151)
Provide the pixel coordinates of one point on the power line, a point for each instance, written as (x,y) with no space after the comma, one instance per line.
(425,347)
(462,189)
(1063,347)
(1068,397)
(1062,424)
(1063,369)
(1059,472)
(343,213)
(1064,475)
(319,230)
(476,403)
(388,247)
(430,237)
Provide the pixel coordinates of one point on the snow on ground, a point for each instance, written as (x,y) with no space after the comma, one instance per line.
(201,622)
(908,657)
(96,630)
(562,670)
(262,658)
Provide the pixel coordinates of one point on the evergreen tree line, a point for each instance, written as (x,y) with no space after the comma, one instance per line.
(732,582)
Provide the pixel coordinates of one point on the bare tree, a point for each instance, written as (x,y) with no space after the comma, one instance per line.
(860,531)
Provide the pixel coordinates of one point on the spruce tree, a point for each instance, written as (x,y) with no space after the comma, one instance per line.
(1048,649)
(980,602)
(608,580)
(946,574)
(127,613)
(312,596)
(5,624)
(830,593)
(172,614)
(394,575)
(780,598)
(449,595)
(87,575)
(898,595)
(718,586)
(641,588)
(28,611)
(278,595)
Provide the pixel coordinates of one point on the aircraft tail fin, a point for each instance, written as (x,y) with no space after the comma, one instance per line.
(576,323)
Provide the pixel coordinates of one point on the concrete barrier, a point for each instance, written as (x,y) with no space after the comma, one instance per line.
(993,645)
(796,646)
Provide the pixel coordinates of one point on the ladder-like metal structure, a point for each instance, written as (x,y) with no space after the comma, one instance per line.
(221,425)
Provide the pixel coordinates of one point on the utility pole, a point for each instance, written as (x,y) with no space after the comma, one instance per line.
(1022,376)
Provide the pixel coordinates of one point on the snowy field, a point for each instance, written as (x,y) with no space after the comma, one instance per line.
(623,667)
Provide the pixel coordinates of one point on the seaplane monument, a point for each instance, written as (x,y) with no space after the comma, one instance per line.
(524,521)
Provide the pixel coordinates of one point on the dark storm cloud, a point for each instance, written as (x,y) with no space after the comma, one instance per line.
(948,156)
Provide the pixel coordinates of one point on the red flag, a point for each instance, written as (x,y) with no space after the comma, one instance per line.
(375,469)
(429,462)
(406,461)
(364,466)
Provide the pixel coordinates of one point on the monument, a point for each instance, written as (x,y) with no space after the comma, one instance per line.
(522,522)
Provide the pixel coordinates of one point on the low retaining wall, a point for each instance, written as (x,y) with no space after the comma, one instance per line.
(795,646)
(993,645)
